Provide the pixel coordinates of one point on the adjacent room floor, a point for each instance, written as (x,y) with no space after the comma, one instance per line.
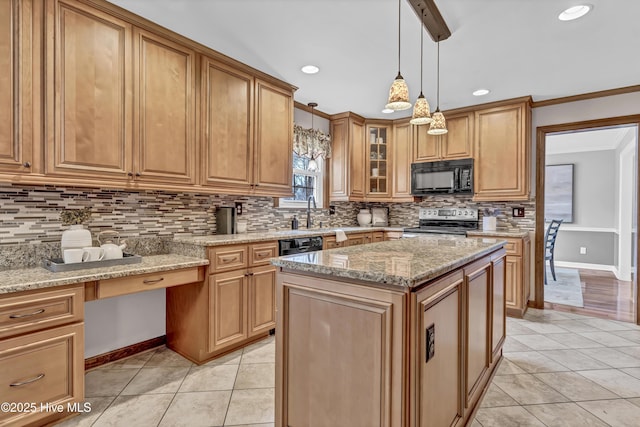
(558,369)
(603,296)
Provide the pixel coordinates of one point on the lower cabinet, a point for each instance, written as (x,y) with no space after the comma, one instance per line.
(43,368)
(354,239)
(234,306)
(357,355)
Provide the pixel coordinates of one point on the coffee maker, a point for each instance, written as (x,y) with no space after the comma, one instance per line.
(226,220)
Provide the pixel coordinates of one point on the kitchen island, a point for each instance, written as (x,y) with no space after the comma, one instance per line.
(398,333)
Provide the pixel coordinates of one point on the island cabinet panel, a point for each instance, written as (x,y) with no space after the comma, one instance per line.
(333,344)
(164,118)
(16,85)
(227,126)
(89,92)
(438,319)
(273,140)
(478,328)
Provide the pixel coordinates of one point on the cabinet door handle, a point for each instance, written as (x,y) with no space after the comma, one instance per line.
(20,316)
(32,380)
(228,259)
(129,173)
(262,254)
(138,174)
(26,164)
(152,281)
(248,274)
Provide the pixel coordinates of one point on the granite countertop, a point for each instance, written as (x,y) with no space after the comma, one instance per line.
(512,232)
(404,263)
(38,277)
(226,239)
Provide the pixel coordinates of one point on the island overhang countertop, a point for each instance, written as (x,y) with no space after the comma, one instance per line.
(405,262)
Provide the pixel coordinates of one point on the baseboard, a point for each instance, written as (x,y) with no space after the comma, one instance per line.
(585,266)
(121,353)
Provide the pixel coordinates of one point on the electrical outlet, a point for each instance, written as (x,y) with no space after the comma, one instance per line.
(332,210)
(518,212)
(238,208)
(583,250)
(430,342)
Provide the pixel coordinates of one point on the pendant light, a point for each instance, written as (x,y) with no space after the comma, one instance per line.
(421,110)
(399,92)
(312,165)
(438,124)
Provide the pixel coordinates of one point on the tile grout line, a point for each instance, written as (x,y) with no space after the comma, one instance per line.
(224,421)
(175,394)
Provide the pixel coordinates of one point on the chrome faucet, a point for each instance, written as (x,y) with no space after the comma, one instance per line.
(309,221)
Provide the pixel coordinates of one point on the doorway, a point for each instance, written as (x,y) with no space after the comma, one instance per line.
(613,293)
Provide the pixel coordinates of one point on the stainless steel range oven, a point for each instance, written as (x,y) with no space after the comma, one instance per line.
(446,221)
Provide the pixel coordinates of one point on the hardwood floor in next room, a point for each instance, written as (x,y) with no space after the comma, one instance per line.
(604,296)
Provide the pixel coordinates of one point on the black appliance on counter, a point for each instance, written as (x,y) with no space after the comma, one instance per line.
(445,177)
(446,221)
(299,245)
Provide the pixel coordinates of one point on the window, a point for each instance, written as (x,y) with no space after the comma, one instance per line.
(305,183)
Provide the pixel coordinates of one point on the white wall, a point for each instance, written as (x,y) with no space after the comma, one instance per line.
(303,118)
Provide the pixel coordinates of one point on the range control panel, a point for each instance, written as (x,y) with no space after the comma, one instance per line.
(448,214)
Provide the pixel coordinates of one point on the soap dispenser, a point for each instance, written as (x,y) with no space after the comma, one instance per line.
(294,223)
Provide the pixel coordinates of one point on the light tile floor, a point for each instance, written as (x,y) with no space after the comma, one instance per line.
(559,369)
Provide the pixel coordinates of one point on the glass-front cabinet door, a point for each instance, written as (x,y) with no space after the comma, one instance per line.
(378,170)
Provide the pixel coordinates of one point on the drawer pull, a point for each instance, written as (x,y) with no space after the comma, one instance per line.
(263,254)
(32,380)
(20,316)
(228,259)
(152,281)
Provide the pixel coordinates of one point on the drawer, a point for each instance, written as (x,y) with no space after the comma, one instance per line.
(392,235)
(40,310)
(356,240)
(330,243)
(513,246)
(261,253)
(146,282)
(225,258)
(377,236)
(42,367)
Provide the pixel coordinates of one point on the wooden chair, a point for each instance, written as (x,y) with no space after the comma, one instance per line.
(550,244)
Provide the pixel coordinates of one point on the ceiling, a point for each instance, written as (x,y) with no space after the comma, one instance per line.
(513,48)
(589,140)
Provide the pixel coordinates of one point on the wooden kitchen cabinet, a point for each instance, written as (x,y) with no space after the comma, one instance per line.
(41,352)
(517,276)
(501,152)
(455,144)
(353,239)
(233,307)
(378,145)
(401,161)
(347,162)
(89,93)
(164,110)
(18,51)
(498,304)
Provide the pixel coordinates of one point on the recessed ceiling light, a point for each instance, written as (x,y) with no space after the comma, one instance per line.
(480,92)
(574,12)
(388,111)
(310,69)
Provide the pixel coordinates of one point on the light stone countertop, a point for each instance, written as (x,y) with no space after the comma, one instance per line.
(405,263)
(226,239)
(513,233)
(39,277)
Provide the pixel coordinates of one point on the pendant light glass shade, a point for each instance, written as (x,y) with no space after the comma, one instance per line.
(399,91)
(312,165)
(438,124)
(421,112)
(398,95)
(421,109)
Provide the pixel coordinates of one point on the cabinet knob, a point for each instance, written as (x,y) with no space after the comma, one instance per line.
(26,164)
(129,173)
(138,174)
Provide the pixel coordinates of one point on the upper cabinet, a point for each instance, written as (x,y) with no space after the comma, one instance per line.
(164,110)
(456,144)
(246,139)
(501,152)
(401,161)
(227,127)
(16,79)
(88,92)
(378,171)
(347,162)
(273,152)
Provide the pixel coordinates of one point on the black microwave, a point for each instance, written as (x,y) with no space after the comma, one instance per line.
(444,177)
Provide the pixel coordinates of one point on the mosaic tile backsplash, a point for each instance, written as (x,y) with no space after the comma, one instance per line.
(30,225)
